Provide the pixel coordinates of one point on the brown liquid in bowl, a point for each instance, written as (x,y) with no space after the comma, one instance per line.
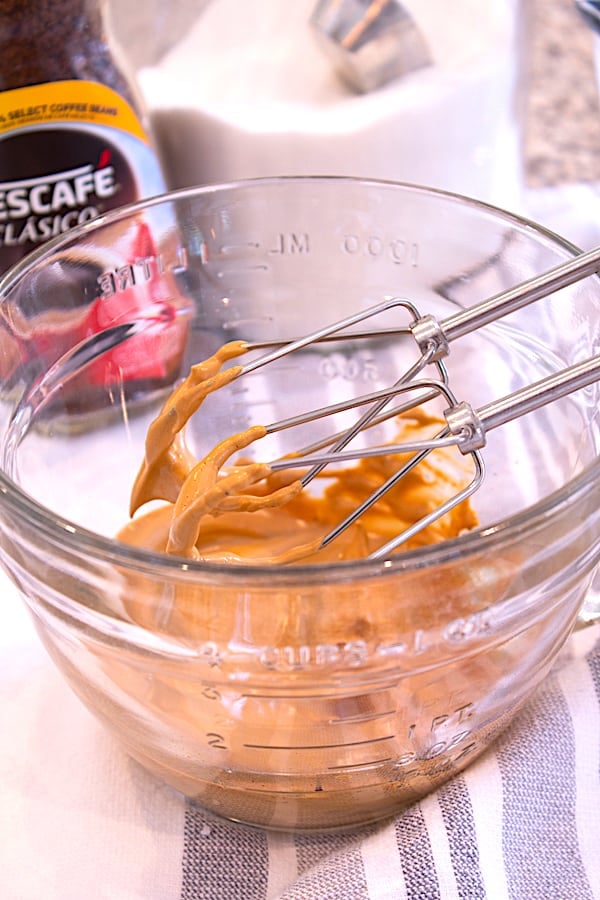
(248,513)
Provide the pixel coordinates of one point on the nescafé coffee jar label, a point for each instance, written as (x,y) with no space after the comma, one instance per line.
(69,151)
(74,143)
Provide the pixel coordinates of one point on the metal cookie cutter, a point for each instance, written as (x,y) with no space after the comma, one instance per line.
(371,42)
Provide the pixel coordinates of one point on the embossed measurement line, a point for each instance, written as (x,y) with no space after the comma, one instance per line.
(388,737)
(235,248)
(275,696)
(363,765)
(242,270)
(366,717)
(247,322)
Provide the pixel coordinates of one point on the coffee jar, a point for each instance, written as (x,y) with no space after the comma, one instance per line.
(74,144)
(73,137)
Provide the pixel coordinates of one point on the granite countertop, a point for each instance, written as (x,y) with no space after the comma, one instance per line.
(562,136)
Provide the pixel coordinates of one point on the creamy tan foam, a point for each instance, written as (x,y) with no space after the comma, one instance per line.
(246,512)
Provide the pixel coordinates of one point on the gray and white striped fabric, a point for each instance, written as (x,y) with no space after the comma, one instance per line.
(522,823)
(78,819)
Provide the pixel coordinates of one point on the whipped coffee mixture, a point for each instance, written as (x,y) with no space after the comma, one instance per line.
(246,512)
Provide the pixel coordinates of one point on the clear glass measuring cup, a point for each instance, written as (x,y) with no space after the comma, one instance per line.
(301,697)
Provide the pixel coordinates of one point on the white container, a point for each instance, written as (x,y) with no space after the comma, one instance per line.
(248,92)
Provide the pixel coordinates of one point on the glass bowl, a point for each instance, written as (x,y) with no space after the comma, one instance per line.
(297,697)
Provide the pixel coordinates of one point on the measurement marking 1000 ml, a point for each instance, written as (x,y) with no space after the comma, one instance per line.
(398,250)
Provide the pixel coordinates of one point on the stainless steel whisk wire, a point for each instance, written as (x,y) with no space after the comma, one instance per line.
(466,427)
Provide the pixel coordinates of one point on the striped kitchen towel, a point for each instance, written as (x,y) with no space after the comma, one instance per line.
(522,823)
(79,820)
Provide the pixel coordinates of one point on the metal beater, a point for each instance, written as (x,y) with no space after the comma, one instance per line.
(466,427)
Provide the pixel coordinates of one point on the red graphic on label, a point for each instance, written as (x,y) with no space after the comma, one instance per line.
(104,159)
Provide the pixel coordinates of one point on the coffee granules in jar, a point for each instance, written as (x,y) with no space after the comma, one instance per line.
(74,144)
(73,140)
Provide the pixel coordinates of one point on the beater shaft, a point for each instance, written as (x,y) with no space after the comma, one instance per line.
(466,429)
(434,336)
(428,329)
